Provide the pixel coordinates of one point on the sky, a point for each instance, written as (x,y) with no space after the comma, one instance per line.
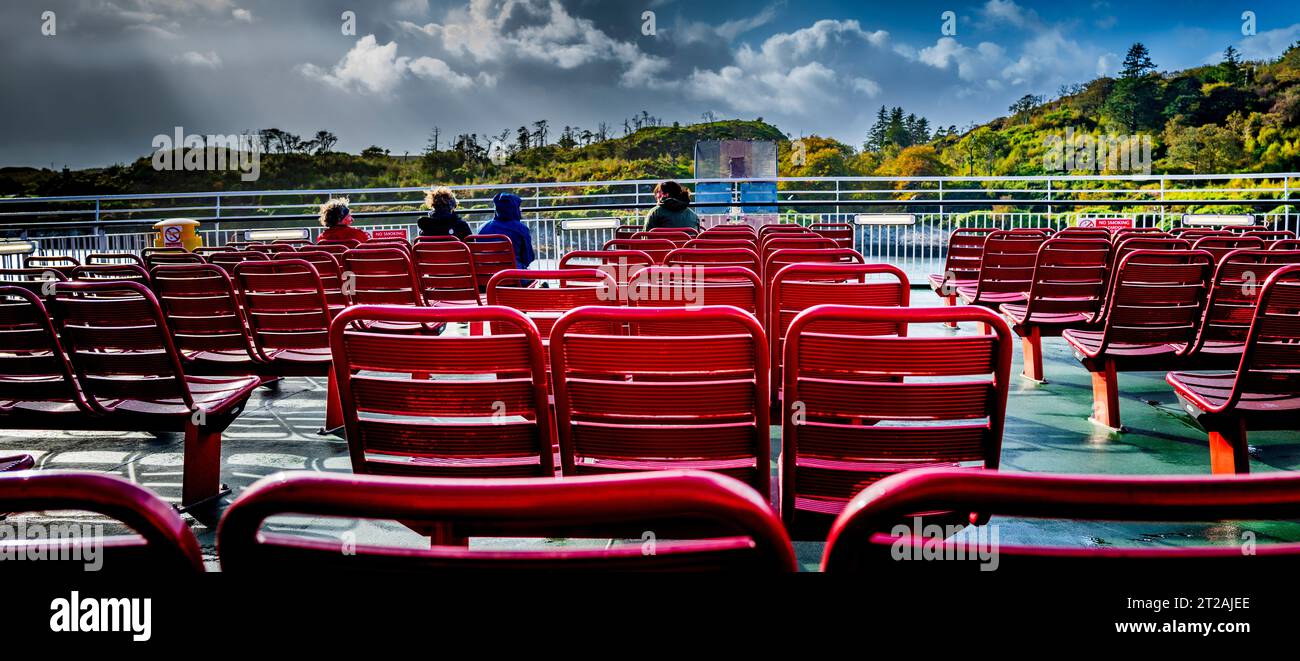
(92,82)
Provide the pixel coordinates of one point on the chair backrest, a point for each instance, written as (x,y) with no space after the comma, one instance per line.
(606,506)
(32,359)
(567,289)
(400,244)
(691,231)
(159,258)
(729,231)
(271,248)
(61,262)
(348,244)
(658,249)
(1271,361)
(285,305)
(162,541)
(693,286)
(643,401)
(445,270)
(230,258)
(127,272)
(965,248)
(201,307)
(1220,246)
(1285,244)
(114,258)
(1195,233)
(781,228)
(327,267)
(1084,233)
(450,405)
(739,241)
(161,250)
(492,253)
(743,257)
(629,261)
(1135,231)
(863,539)
(118,342)
(1071,275)
(777,260)
(802,285)
(626,231)
(678,238)
(785,240)
(1270,236)
(381,276)
(860,404)
(38,281)
(1007,262)
(336,249)
(1238,281)
(208,250)
(1157,297)
(840,233)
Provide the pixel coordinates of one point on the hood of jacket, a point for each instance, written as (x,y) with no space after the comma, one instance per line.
(673,204)
(507,206)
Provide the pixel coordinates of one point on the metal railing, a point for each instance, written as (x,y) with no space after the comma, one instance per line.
(79,225)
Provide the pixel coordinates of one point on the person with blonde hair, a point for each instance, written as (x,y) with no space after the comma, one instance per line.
(337,220)
(443,219)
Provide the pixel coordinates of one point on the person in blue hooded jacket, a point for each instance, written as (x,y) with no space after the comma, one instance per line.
(509,221)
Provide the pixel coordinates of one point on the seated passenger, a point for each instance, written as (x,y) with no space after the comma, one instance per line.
(443,219)
(337,219)
(509,221)
(672,209)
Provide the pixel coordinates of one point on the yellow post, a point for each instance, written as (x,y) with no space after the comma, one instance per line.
(177,233)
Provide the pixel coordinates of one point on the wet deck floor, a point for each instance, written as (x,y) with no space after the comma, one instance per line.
(1047,431)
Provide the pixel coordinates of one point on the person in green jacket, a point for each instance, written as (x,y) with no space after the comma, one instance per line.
(673,208)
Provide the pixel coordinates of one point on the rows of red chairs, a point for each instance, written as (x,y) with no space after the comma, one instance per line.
(587,379)
(1149,301)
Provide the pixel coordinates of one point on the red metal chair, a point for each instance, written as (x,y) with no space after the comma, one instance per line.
(650,402)
(492,253)
(623,265)
(328,269)
(785,240)
(229,259)
(1264,392)
(1220,246)
(658,249)
(484,414)
(863,537)
(347,244)
(38,389)
(1084,233)
(784,257)
(113,259)
(271,248)
(58,263)
(1194,234)
(38,281)
(111,272)
(711,243)
(1270,236)
(519,289)
(678,237)
(731,228)
(865,400)
(206,323)
(742,257)
(1006,269)
(693,232)
(1231,306)
(336,249)
(1069,286)
(740,531)
(14,463)
(400,244)
(692,287)
(130,372)
(1151,318)
(1285,244)
(381,276)
(288,318)
(626,231)
(840,233)
(162,542)
(445,270)
(781,228)
(961,267)
(158,259)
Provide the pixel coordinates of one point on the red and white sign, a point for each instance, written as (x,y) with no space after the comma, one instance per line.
(1112,224)
(171,235)
(388,234)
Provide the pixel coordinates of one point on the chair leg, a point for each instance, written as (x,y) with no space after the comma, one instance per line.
(949,300)
(1032,343)
(1228,453)
(201,474)
(1105,396)
(333,405)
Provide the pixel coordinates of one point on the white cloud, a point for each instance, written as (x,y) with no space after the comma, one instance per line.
(1266,45)
(978,64)
(698,32)
(866,86)
(242,15)
(371,67)
(208,60)
(1007,13)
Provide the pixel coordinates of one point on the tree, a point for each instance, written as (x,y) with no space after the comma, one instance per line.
(523,139)
(1137,62)
(1025,105)
(540,128)
(1231,69)
(1133,102)
(709,117)
(876,134)
(324,142)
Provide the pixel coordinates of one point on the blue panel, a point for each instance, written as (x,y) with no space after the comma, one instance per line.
(754,193)
(712,193)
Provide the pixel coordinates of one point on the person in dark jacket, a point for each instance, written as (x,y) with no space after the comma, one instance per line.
(337,219)
(443,219)
(509,221)
(672,209)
